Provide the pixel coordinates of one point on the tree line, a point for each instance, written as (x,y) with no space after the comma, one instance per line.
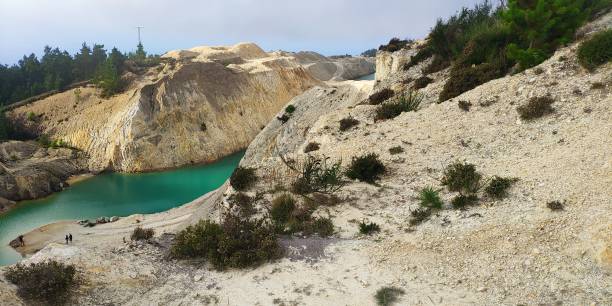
(56,69)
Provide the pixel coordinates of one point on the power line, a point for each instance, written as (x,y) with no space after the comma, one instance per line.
(139,27)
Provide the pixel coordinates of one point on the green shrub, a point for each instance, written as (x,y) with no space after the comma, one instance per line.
(236,243)
(324,227)
(282,207)
(465,78)
(536,107)
(448,38)
(462,178)
(462,201)
(313,146)
(437,64)
(464,105)
(423,54)
(540,26)
(47,282)
(419,215)
(368,228)
(381,96)
(32,116)
(197,241)
(387,296)
(406,103)
(3,127)
(318,176)
(555,205)
(243,178)
(244,204)
(290,109)
(430,198)
(140,233)
(498,187)
(421,82)
(347,123)
(596,51)
(366,168)
(396,150)
(395,44)
(245,243)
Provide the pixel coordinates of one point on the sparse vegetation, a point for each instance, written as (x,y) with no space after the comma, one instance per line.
(462,178)
(462,201)
(48,282)
(243,178)
(312,146)
(317,175)
(290,109)
(235,243)
(369,53)
(596,51)
(395,44)
(430,198)
(321,226)
(498,187)
(419,215)
(556,205)
(421,82)
(396,150)
(243,203)
(464,105)
(366,168)
(368,228)
(406,103)
(282,208)
(140,233)
(289,218)
(348,123)
(381,96)
(387,296)
(464,78)
(536,107)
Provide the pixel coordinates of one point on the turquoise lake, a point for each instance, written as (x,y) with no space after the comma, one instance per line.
(369,77)
(114,194)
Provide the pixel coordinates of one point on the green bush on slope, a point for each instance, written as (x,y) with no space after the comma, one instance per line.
(596,51)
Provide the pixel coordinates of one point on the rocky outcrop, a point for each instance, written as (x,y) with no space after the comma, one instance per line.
(197,106)
(339,69)
(29,171)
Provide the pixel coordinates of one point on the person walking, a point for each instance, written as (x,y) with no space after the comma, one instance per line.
(66,239)
(70,237)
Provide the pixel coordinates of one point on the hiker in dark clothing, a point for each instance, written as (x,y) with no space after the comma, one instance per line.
(66,239)
(70,237)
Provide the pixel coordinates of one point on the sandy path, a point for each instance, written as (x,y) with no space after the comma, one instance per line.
(114,233)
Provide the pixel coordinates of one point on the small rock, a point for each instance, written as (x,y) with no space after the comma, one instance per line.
(482,289)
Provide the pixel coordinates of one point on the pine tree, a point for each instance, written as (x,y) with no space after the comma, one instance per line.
(3,127)
(83,63)
(541,26)
(140,55)
(108,78)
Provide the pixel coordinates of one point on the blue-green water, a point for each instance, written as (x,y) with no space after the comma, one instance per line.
(114,194)
(369,77)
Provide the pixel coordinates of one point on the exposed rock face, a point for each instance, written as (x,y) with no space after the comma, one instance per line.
(341,69)
(29,171)
(200,105)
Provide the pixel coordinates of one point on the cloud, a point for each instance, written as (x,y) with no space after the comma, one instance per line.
(326,26)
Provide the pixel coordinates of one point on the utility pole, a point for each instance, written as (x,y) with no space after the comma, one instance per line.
(139,27)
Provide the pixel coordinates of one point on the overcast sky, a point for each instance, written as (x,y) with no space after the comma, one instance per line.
(326,26)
